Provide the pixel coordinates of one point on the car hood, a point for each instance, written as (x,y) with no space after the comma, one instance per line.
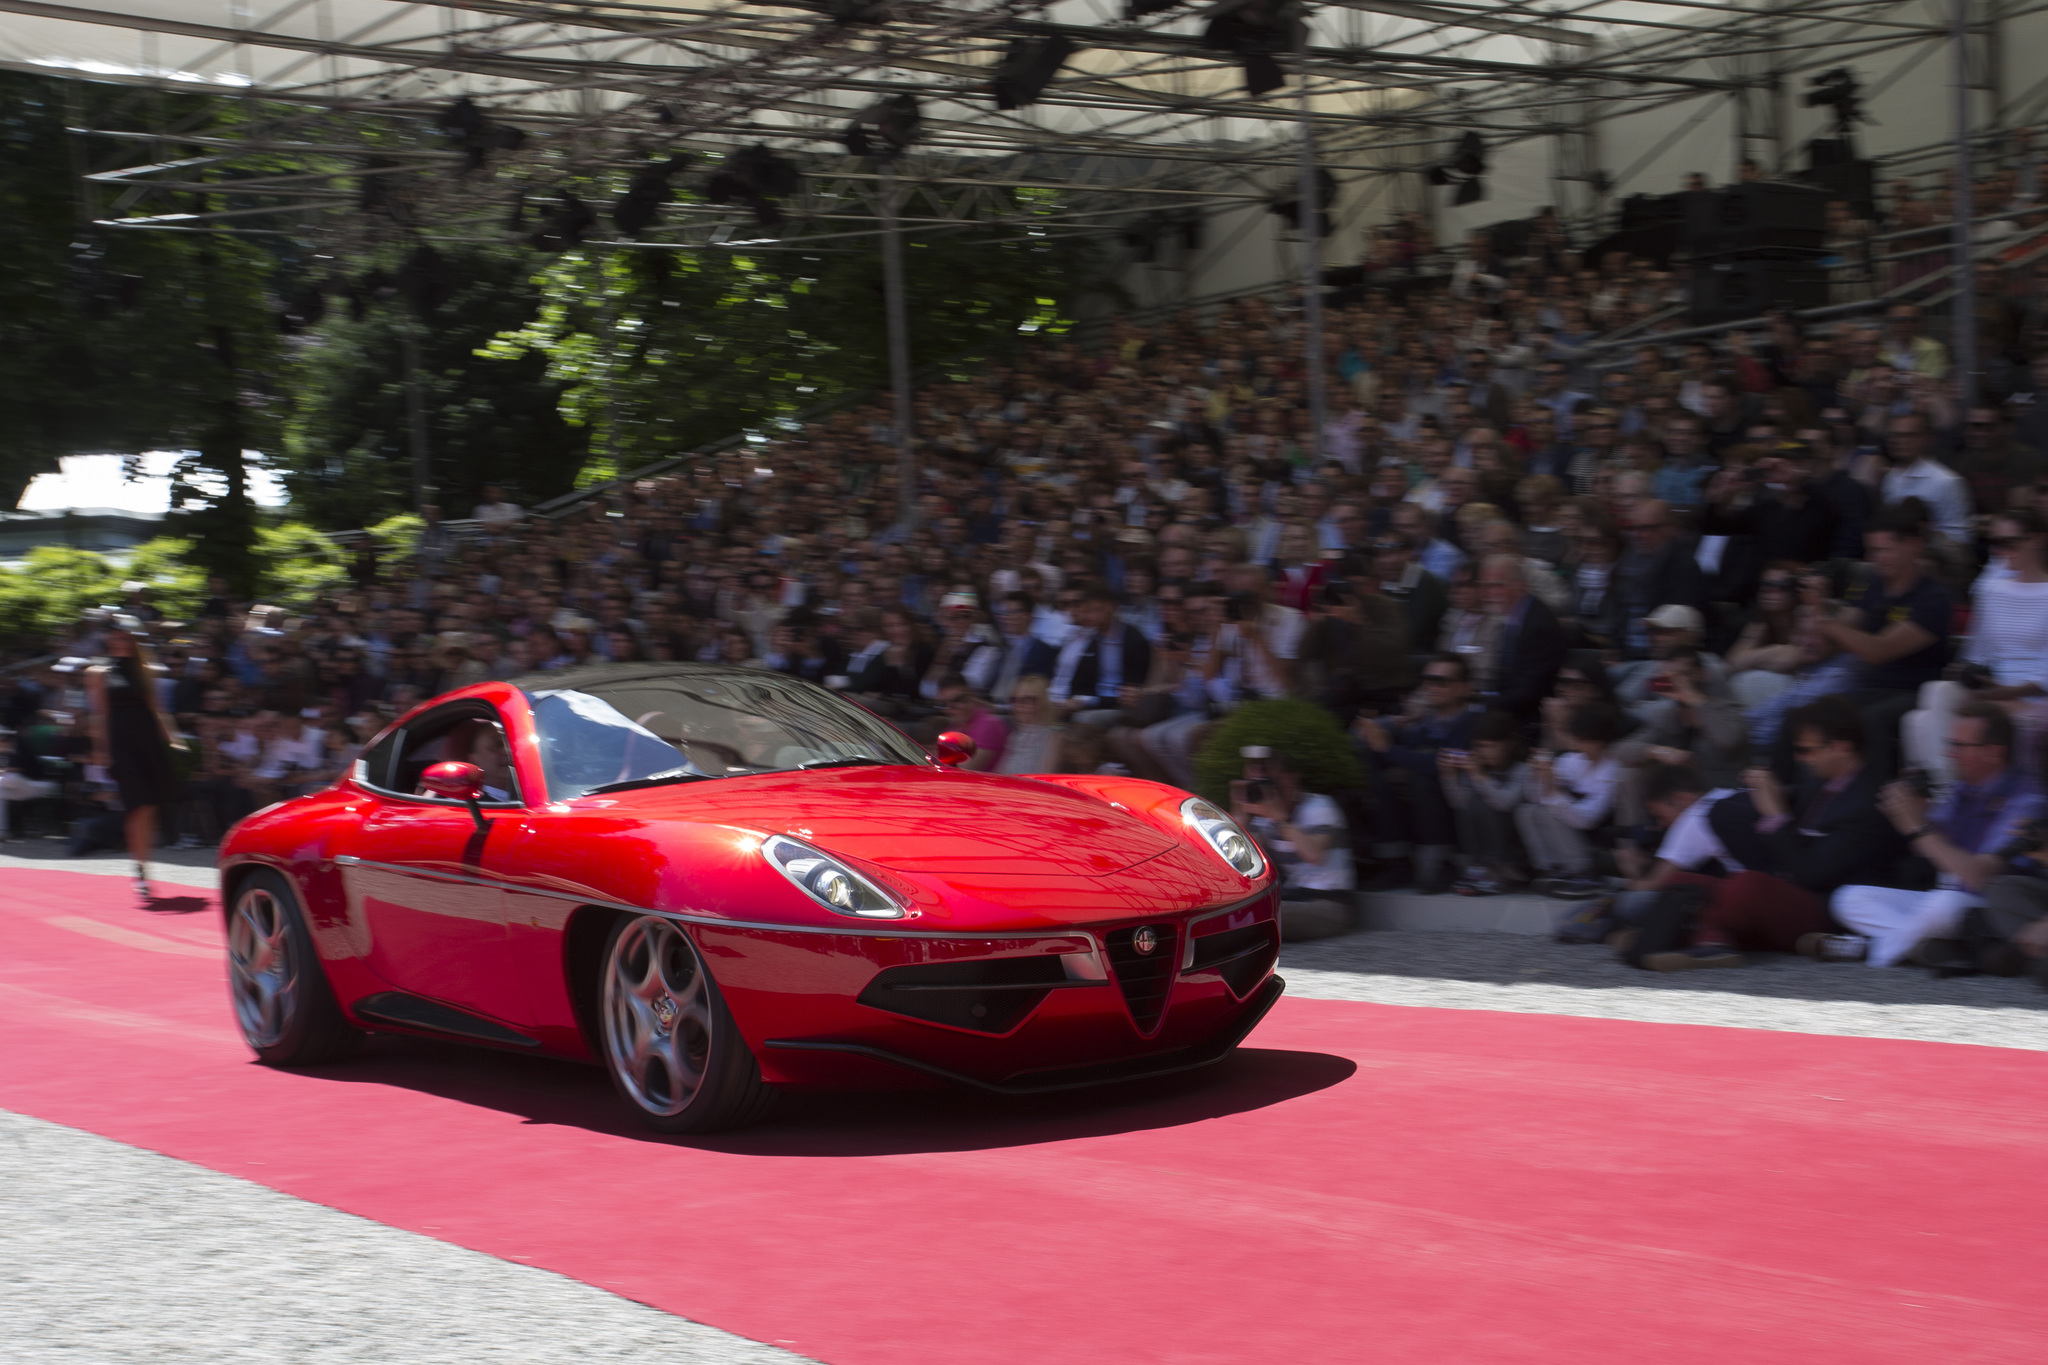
(919,820)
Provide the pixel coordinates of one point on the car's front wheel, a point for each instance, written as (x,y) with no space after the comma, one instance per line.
(669,1041)
(283,1004)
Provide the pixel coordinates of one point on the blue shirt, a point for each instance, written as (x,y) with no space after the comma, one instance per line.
(1983,819)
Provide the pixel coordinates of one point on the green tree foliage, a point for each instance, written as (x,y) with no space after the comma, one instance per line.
(347,453)
(1308,734)
(44,592)
(660,352)
(124,341)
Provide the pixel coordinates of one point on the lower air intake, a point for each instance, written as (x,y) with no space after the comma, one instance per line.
(1144,977)
(1242,957)
(992,995)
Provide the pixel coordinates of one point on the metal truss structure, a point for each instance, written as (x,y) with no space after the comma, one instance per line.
(1142,126)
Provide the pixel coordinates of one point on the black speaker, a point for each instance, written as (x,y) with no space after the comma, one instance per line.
(1731,290)
(1763,215)
(1640,211)
(1830,165)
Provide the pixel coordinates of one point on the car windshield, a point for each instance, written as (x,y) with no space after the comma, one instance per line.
(687,727)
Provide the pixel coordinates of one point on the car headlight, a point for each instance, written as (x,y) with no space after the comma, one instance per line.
(828,881)
(1221,833)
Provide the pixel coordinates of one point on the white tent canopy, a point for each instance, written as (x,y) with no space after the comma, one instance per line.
(1578,103)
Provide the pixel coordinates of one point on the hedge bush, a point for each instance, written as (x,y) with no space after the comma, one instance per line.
(1320,750)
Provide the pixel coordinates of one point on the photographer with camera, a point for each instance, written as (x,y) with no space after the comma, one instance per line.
(1305,838)
(1962,835)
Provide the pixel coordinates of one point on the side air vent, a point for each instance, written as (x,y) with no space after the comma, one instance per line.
(1145,977)
(992,995)
(1242,957)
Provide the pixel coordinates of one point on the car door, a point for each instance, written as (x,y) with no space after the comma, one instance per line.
(423,883)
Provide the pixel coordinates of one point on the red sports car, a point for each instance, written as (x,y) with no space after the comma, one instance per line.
(718,881)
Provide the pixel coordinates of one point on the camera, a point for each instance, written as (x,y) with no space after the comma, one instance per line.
(1257,792)
(1916,778)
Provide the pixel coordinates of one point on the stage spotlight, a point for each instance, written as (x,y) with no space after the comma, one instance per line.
(856,11)
(1466,169)
(1027,67)
(1289,206)
(1471,157)
(756,177)
(474,135)
(563,226)
(1256,32)
(896,123)
(639,208)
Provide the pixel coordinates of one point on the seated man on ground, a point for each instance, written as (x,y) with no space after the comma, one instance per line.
(1677,801)
(1305,838)
(1683,727)
(1991,801)
(1570,797)
(1409,811)
(1484,786)
(1795,848)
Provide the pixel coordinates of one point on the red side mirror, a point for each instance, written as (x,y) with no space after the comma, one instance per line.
(956,747)
(456,781)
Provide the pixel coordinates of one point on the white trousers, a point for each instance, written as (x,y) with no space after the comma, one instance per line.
(1895,921)
(1923,733)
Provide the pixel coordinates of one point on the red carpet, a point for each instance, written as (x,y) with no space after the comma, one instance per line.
(1365,1183)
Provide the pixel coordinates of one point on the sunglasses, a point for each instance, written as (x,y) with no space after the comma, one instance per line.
(2005,542)
(1804,749)
(1444,678)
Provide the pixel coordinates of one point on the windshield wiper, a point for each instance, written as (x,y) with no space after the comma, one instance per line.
(661,779)
(850,761)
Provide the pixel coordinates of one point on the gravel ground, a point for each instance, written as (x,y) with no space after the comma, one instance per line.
(1533,975)
(109,1254)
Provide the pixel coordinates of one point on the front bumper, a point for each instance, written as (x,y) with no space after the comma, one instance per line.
(1022,1014)
(1070,1077)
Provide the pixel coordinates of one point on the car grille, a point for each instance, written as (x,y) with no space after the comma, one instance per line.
(1242,957)
(1144,978)
(992,995)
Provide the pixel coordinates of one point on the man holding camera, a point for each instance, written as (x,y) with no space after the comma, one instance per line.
(1963,834)
(1306,839)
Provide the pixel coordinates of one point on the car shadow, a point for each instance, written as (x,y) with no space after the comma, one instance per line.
(546,1091)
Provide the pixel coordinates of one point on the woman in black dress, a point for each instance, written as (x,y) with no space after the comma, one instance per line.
(132,739)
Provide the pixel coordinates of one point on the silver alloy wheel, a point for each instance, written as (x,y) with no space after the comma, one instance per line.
(657,1016)
(263,971)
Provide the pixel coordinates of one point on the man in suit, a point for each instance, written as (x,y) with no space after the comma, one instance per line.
(993,670)
(1789,851)
(1101,658)
(1531,640)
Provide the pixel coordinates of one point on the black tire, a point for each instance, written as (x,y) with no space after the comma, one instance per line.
(667,1040)
(282,1002)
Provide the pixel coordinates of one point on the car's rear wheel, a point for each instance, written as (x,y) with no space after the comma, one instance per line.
(283,1004)
(669,1041)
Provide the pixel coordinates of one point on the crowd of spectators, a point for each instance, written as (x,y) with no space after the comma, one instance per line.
(1564,600)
